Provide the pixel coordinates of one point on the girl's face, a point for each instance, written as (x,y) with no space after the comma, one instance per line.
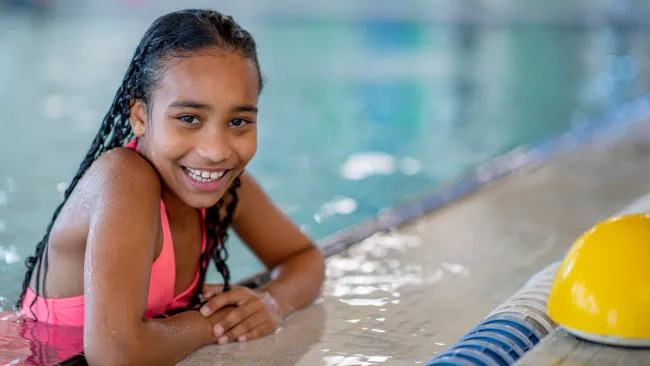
(201,129)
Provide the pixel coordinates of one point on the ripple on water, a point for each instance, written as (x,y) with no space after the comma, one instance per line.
(373,274)
(363,165)
(368,275)
(32,343)
(339,206)
(9,255)
(362,360)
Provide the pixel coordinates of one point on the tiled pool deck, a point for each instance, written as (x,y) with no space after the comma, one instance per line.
(400,298)
(562,349)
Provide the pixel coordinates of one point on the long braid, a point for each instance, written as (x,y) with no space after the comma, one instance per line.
(216,231)
(114,131)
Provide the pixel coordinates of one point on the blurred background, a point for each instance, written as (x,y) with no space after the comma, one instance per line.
(369,103)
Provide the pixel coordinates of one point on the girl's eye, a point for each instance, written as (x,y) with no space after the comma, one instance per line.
(189,119)
(238,122)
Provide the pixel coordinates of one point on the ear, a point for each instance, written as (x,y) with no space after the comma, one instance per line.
(138,118)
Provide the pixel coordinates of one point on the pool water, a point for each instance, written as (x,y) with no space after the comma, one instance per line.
(357,116)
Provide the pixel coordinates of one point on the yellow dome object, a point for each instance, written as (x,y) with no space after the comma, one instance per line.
(601,291)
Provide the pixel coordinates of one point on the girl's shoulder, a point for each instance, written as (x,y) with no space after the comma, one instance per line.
(123,171)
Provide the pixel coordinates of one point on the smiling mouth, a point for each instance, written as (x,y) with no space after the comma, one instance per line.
(204,176)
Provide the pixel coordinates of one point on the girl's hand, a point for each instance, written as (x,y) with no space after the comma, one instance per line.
(256,315)
(210,290)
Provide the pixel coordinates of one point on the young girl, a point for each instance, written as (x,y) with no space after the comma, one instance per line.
(152,201)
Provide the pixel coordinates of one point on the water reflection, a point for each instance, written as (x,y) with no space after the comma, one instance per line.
(358,360)
(8,255)
(30,343)
(369,275)
(340,206)
(363,165)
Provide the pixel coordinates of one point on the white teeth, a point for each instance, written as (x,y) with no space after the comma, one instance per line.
(203,176)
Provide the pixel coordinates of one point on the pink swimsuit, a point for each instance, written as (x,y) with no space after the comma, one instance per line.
(161,299)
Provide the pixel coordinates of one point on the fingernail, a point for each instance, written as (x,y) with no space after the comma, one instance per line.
(218,331)
(241,339)
(223,340)
(205,310)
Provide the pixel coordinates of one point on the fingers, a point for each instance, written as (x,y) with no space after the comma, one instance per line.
(246,326)
(258,332)
(210,290)
(237,316)
(232,297)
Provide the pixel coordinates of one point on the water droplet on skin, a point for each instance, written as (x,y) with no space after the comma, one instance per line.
(353,320)
(378,330)
(381,319)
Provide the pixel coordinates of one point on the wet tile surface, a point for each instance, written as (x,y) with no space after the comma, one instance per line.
(561,348)
(400,297)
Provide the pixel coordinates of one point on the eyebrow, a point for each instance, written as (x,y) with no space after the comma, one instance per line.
(180,104)
(245,108)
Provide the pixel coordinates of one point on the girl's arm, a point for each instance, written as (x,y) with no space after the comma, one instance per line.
(281,246)
(120,250)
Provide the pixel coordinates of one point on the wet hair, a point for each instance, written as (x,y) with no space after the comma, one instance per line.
(176,35)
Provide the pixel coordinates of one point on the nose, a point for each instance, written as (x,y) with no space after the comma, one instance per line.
(214,146)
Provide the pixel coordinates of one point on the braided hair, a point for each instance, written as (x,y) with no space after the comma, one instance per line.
(175,35)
